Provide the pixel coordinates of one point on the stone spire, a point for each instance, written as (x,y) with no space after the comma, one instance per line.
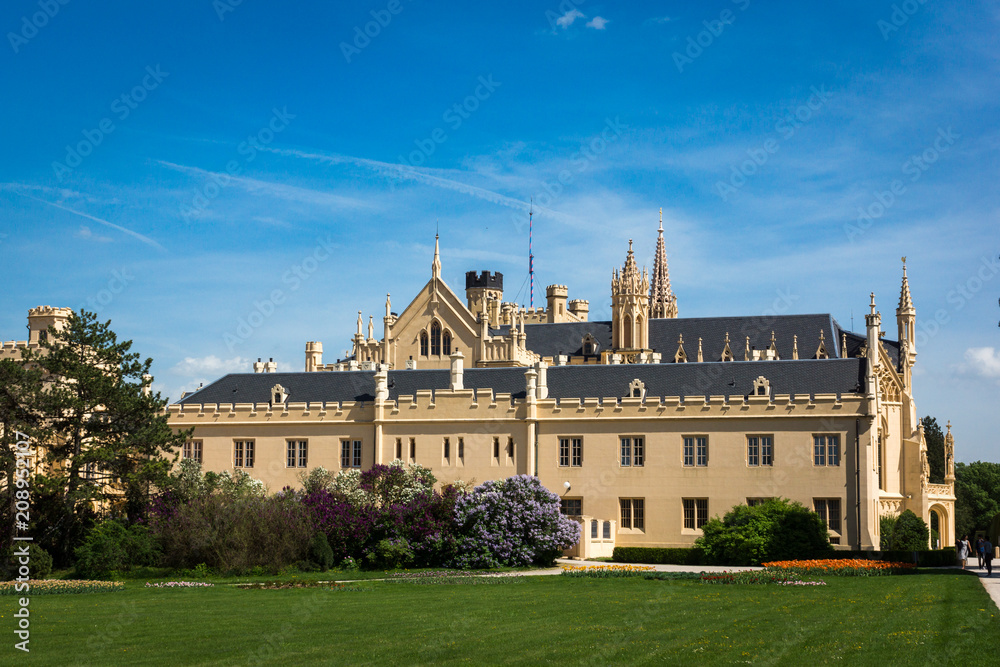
(629,305)
(905,300)
(662,301)
(436,264)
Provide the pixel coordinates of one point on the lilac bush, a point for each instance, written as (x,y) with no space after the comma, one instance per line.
(512,522)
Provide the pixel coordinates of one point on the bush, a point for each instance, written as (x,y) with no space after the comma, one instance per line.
(909,533)
(39,562)
(236,533)
(112,546)
(390,554)
(661,556)
(512,522)
(320,552)
(778,529)
(885,525)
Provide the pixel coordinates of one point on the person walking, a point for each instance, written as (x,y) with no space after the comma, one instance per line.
(980,549)
(988,556)
(963,550)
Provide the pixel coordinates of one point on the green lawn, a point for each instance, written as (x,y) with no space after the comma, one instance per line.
(935,618)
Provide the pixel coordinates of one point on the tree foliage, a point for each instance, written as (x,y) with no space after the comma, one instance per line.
(907,532)
(977,492)
(106,435)
(20,421)
(935,449)
(778,529)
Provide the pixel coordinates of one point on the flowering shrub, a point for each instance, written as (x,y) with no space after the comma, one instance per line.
(62,587)
(513,522)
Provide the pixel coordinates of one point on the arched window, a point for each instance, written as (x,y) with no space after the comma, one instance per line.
(423,343)
(446,343)
(435,340)
(627,332)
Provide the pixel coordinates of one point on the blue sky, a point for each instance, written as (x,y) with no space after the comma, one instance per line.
(173,166)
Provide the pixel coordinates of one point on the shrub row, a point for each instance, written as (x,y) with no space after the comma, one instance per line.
(658,556)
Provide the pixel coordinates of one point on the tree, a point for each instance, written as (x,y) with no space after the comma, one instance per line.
(935,449)
(108,436)
(20,422)
(908,533)
(778,529)
(977,492)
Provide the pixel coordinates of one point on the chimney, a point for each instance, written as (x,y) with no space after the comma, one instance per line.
(542,388)
(382,385)
(531,378)
(258,366)
(457,373)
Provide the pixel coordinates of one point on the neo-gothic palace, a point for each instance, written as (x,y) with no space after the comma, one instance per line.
(645,425)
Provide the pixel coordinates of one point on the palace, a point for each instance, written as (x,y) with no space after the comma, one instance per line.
(645,425)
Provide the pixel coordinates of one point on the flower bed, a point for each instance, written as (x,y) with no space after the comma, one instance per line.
(285,585)
(853,567)
(61,587)
(179,584)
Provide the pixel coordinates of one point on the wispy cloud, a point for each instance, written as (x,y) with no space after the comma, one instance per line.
(566,20)
(86,233)
(124,230)
(658,20)
(597,23)
(210,365)
(982,361)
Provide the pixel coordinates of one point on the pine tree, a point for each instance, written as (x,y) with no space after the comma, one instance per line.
(109,438)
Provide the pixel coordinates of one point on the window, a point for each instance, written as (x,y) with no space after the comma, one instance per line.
(633,452)
(695,512)
(350,454)
(298,454)
(594,528)
(435,340)
(632,513)
(607,530)
(829,510)
(447,450)
(826,450)
(192,450)
(461,450)
(510,448)
(243,454)
(571,506)
(760,450)
(423,343)
(399,449)
(496,450)
(754,502)
(695,451)
(878,464)
(413,450)
(446,342)
(570,452)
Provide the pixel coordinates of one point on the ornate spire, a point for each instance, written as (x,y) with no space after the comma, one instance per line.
(436,264)
(629,280)
(905,300)
(662,301)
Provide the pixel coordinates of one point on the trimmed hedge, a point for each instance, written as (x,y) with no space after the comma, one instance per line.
(658,556)
(682,556)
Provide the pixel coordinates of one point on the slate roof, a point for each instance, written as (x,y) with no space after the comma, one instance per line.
(549,340)
(799,377)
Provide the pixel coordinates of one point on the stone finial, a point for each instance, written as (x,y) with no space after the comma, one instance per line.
(436,264)
(700,357)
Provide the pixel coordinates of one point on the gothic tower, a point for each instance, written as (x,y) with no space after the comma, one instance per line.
(662,301)
(630,306)
(906,318)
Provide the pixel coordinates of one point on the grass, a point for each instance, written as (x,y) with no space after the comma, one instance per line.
(937,618)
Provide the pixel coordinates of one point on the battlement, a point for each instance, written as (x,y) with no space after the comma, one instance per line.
(556,291)
(50,311)
(484,279)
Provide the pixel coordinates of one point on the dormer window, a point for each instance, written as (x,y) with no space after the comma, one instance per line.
(278,395)
(761,386)
(590,345)
(637,389)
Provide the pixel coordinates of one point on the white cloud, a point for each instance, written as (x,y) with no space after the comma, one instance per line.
(983,361)
(211,365)
(658,19)
(597,23)
(566,20)
(86,233)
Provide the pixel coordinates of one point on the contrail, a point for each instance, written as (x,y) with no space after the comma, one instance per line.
(137,235)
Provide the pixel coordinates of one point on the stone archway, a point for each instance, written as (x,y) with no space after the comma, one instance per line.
(938,520)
